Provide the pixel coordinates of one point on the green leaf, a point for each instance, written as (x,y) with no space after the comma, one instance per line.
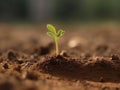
(51,28)
(60,33)
(52,35)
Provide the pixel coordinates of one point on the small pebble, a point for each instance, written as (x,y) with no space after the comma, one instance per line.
(115,57)
(5,66)
(64,53)
(11,55)
(31,76)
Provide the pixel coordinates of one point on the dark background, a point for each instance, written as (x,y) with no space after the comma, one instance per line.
(59,10)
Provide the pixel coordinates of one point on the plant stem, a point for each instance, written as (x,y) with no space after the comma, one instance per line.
(56,44)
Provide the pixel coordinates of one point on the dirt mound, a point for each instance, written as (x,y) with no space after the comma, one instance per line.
(100,70)
(60,66)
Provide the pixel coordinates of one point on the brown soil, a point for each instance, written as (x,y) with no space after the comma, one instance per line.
(99,70)
(90,59)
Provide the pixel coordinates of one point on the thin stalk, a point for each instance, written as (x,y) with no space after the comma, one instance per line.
(56,44)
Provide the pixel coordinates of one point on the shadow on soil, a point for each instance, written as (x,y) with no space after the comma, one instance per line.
(98,71)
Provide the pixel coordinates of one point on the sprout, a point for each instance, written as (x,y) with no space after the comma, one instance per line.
(55,35)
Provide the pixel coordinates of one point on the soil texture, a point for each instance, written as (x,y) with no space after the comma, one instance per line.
(89,58)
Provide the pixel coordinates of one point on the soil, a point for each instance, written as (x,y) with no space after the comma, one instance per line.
(89,58)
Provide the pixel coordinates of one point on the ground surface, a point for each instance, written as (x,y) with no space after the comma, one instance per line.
(89,58)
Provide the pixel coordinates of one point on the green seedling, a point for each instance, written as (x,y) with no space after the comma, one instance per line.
(55,35)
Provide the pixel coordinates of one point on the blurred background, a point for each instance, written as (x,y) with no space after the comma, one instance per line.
(59,10)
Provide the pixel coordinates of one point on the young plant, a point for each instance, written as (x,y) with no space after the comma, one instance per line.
(55,35)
